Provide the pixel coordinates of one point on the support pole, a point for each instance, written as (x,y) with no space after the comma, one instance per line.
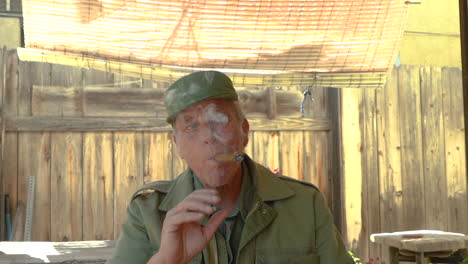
(463,6)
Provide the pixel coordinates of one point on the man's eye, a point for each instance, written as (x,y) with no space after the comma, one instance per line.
(191,127)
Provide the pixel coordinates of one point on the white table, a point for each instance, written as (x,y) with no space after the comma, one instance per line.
(56,252)
(421,245)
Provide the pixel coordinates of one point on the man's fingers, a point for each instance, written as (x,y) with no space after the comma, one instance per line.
(205,195)
(184,217)
(196,206)
(214,222)
(199,201)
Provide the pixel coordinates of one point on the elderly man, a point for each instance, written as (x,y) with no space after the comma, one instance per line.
(225,208)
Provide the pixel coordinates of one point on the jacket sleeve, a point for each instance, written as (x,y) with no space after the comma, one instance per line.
(329,244)
(133,245)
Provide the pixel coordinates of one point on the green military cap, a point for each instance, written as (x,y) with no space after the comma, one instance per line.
(197,87)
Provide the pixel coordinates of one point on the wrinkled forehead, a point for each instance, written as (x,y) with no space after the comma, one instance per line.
(216,109)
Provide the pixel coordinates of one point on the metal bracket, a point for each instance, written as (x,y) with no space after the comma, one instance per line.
(307,93)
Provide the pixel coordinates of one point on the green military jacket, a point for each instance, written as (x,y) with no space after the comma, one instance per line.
(288,222)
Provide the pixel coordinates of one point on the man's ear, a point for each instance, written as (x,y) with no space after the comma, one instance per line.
(245,129)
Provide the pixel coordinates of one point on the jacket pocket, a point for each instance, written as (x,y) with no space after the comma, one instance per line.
(286,255)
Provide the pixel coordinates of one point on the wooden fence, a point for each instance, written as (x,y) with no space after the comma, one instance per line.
(91,138)
(404,157)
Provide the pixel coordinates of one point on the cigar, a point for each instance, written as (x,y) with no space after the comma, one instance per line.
(227,157)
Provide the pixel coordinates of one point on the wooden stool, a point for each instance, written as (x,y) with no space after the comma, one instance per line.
(423,246)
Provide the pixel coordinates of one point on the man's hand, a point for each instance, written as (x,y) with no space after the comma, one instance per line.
(182,236)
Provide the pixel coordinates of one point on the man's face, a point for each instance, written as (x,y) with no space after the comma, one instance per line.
(205,130)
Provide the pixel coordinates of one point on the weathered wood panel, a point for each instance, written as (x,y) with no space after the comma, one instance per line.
(8,141)
(312,157)
(128,165)
(422,175)
(34,158)
(98,186)
(291,153)
(72,123)
(334,158)
(9,173)
(3,66)
(66,165)
(352,164)
(31,73)
(389,156)
(57,101)
(66,186)
(389,124)
(411,148)
(157,156)
(370,169)
(249,148)
(435,180)
(107,101)
(455,150)
(316,165)
(97,78)
(266,149)
(114,166)
(128,101)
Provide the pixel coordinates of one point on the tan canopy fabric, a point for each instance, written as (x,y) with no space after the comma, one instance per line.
(338,43)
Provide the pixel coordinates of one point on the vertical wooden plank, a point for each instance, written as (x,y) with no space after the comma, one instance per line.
(3,189)
(157,156)
(317,161)
(352,165)
(266,149)
(34,165)
(178,164)
(34,158)
(98,186)
(291,154)
(334,144)
(249,148)
(67,167)
(389,158)
(435,180)
(98,172)
(371,205)
(411,148)
(320,106)
(128,167)
(67,186)
(455,150)
(9,141)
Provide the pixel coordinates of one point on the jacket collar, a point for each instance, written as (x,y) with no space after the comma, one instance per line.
(267,185)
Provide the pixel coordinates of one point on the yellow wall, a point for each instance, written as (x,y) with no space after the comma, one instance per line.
(432,34)
(10,32)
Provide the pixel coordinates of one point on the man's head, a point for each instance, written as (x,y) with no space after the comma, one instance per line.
(207,121)
(197,87)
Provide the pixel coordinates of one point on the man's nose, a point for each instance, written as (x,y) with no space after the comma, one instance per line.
(208,134)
